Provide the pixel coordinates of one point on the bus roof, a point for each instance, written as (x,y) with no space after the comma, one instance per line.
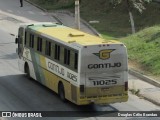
(69,35)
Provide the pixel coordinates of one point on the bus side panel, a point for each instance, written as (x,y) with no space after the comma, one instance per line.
(37,63)
(26,58)
(52,80)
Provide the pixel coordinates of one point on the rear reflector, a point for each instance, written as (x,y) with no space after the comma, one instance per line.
(126,86)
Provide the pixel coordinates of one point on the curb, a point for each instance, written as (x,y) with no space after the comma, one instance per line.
(144,78)
(149,99)
(54,16)
(36,5)
(82,20)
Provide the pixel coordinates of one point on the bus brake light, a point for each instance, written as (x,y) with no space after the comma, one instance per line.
(126,86)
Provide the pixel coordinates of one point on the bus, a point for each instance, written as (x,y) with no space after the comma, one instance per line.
(79,67)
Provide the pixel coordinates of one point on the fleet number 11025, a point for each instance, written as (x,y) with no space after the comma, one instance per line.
(105,82)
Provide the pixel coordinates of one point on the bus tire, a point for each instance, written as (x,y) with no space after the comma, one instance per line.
(61,91)
(27,71)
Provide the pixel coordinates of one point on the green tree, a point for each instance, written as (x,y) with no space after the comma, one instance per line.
(137,4)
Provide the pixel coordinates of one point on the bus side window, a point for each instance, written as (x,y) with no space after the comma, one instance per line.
(66,56)
(20,35)
(25,39)
(39,44)
(52,50)
(31,41)
(76,61)
(48,48)
(62,55)
(57,52)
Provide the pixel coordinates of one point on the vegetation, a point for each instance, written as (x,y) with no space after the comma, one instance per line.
(113,21)
(143,47)
(138,4)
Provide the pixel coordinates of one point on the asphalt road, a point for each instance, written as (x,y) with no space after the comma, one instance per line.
(17,93)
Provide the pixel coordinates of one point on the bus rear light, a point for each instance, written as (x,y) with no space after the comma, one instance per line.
(81,88)
(107,44)
(126,86)
(16,40)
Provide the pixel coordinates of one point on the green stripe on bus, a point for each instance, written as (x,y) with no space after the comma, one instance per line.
(37,68)
(40,71)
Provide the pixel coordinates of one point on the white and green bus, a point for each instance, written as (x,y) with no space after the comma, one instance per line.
(80,67)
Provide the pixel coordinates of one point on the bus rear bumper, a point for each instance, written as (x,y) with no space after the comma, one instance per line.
(102,100)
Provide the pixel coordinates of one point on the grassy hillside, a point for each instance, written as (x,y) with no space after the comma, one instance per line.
(144,47)
(113,21)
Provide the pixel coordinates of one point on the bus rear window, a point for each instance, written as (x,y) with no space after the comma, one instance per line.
(76,61)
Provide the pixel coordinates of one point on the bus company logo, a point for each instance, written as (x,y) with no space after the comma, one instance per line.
(104,54)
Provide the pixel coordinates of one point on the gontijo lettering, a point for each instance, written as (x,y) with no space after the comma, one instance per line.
(56,68)
(105,65)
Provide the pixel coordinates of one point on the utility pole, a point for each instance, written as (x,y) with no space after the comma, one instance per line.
(77,15)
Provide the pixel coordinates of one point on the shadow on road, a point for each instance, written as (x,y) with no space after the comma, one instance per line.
(21,94)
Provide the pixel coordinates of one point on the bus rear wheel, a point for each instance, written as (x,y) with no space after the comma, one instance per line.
(61,92)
